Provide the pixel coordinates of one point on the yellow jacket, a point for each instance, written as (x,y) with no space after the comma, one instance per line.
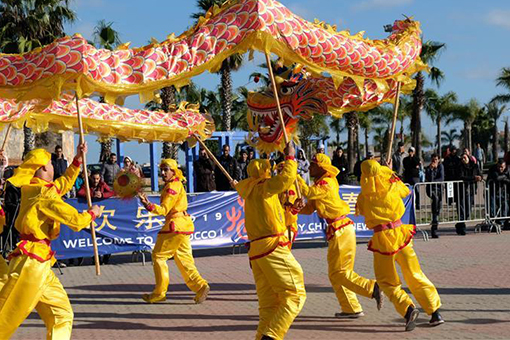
(287,199)
(324,197)
(41,212)
(174,204)
(383,208)
(264,215)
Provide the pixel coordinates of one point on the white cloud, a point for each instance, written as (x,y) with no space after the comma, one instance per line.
(376,4)
(481,72)
(498,18)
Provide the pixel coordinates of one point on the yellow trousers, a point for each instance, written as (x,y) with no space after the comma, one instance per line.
(346,283)
(280,290)
(419,285)
(4,271)
(32,284)
(177,246)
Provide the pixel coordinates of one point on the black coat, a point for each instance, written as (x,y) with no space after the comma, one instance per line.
(411,168)
(230,164)
(204,175)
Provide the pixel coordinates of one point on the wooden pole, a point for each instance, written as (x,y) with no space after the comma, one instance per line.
(277,99)
(280,113)
(7,135)
(218,164)
(393,124)
(87,188)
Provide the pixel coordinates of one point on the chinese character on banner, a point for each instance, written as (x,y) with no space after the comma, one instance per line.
(350,198)
(104,220)
(147,219)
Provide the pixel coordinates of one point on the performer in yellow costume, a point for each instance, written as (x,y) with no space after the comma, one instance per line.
(324,197)
(31,283)
(287,200)
(380,202)
(278,276)
(174,238)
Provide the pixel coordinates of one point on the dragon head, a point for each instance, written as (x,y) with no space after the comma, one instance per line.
(298,100)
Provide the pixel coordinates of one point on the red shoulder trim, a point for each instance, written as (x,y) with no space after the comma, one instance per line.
(291,193)
(322,182)
(49,185)
(171,191)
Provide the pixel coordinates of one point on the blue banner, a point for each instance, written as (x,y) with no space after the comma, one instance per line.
(126,226)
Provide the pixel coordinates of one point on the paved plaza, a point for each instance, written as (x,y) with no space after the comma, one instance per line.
(471,273)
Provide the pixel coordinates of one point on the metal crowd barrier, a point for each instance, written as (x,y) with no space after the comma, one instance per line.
(498,210)
(450,203)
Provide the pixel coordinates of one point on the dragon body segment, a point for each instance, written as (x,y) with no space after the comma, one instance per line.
(238,26)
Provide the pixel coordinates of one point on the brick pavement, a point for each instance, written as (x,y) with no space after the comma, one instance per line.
(471,274)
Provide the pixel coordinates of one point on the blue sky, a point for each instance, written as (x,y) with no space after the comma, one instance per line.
(477,34)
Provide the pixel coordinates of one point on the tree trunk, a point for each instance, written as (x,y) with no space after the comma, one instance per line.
(495,142)
(29,140)
(507,136)
(106,150)
(351,122)
(418,102)
(356,140)
(170,150)
(439,135)
(402,139)
(226,95)
(366,142)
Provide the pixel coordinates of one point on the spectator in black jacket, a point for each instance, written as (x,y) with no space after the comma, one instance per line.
(451,164)
(465,192)
(412,173)
(243,164)
(498,181)
(340,162)
(435,173)
(59,162)
(230,164)
(203,168)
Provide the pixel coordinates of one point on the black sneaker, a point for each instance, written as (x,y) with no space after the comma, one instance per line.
(436,319)
(411,316)
(349,315)
(378,296)
(265,337)
(433,231)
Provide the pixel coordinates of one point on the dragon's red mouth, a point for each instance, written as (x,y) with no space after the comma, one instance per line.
(269,125)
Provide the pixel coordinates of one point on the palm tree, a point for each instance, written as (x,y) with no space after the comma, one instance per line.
(382,117)
(405,110)
(495,112)
(439,107)
(504,81)
(467,114)
(365,123)
(506,137)
(336,126)
(449,137)
(351,121)
(27,24)
(233,63)
(105,37)
(429,53)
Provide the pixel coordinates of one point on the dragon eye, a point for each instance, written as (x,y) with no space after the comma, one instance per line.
(287,90)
